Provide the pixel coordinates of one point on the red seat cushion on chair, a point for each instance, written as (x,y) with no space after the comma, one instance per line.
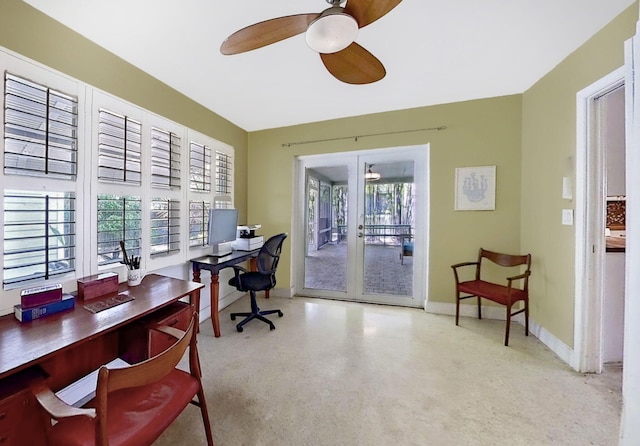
(135,416)
(491,291)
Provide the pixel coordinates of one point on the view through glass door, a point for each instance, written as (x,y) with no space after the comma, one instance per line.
(360,223)
(385,228)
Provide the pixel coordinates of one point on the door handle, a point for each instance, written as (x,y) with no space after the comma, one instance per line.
(360,234)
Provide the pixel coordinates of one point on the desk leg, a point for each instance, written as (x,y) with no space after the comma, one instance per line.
(195,298)
(215,292)
(253,266)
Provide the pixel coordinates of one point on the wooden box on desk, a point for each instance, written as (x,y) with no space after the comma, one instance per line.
(97,285)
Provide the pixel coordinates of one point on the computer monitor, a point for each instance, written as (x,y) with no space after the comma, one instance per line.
(223,226)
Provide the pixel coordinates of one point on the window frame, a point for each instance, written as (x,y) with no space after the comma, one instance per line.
(40,241)
(47,134)
(172,226)
(87,186)
(41,74)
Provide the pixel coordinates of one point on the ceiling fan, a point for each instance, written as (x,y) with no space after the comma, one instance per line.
(331,33)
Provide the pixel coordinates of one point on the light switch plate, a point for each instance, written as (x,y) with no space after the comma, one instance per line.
(566,188)
(567,217)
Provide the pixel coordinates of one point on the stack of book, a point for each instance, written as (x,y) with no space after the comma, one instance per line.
(38,302)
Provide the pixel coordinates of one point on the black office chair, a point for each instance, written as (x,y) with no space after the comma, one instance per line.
(262,280)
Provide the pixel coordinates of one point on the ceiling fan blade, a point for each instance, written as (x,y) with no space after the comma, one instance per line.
(367,11)
(265,33)
(354,65)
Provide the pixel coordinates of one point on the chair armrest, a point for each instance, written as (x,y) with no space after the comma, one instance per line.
(239,269)
(56,407)
(519,276)
(171,331)
(458,265)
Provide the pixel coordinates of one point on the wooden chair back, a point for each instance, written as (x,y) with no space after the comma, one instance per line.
(505,260)
(143,373)
(88,425)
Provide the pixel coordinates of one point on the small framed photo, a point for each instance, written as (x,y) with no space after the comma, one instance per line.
(475,188)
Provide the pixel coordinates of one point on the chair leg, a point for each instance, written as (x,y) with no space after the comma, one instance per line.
(526,317)
(205,416)
(479,308)
(254,314)
(457,306)
(508,324)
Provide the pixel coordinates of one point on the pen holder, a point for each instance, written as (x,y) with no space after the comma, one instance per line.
(134,277)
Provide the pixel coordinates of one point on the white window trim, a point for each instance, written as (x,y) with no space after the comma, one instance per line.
(87,187)
(43,75)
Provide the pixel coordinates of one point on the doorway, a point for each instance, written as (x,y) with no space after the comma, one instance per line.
(599,310)
(362,217)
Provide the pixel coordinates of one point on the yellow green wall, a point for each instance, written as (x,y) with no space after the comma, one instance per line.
(480,132)
(30,33)
(528,137)
(548,154)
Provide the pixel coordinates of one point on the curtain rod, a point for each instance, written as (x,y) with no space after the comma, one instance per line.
(355,137)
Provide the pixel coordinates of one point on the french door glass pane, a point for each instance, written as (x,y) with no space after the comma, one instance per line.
(388,228)
(326,247)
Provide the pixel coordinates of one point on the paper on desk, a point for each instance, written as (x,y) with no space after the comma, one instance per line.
(79,393)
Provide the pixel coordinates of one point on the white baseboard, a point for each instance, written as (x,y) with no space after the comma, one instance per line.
(554,344)
(488,312)
(558,347)
(230,298)
(282,292)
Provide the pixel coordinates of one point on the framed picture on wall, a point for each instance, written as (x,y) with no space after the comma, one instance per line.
(475,188)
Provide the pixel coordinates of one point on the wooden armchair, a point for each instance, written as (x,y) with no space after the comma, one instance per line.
(135,404)
(504,294)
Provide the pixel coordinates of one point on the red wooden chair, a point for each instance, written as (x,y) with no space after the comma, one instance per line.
(135,404)
(505,294)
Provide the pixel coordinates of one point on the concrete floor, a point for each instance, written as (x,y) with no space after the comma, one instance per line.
(342,373)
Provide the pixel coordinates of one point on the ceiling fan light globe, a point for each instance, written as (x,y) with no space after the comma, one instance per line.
(333,31)
(372,176)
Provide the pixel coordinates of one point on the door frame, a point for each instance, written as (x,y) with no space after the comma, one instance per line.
(590,246)
(421,179)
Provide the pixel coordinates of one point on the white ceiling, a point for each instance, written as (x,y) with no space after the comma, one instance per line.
(434,51)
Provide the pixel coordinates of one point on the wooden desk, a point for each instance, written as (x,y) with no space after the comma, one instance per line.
(66,346)
(214,265)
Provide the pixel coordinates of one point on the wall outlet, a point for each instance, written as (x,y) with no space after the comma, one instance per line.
(567,217)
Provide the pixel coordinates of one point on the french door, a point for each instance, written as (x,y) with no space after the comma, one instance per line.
(361,225)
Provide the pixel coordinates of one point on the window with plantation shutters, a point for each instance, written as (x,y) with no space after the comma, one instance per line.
(84,170)
(40,130)
(119,148)
(119,219)
(198,223)
(165,226)
(165,159)
(224,173)
(39,236)
(200,167)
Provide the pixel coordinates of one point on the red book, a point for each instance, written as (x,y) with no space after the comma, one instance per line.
(41,295)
